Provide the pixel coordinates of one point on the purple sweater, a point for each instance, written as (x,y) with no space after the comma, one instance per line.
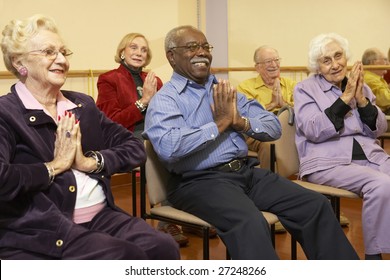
(319,145)
(34,214)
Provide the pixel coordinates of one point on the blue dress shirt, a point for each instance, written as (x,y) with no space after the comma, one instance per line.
(180,125)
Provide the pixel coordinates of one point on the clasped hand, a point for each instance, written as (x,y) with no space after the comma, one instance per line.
(277,98)
(354,88)
(225,107)
(68,151)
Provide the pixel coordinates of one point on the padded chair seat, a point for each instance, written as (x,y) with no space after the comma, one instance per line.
(173,213)
(326,190)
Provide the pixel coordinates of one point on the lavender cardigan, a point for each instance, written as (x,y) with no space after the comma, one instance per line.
(319,145)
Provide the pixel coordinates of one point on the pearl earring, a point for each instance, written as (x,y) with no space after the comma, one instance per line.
(23,71)
(122,56)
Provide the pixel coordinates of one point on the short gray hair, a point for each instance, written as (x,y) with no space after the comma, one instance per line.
(317,45)
(264,47)
(370,55)
(173,36)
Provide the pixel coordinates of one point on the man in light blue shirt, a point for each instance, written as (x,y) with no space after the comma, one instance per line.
(196,125)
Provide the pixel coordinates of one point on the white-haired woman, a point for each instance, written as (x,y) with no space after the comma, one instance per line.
(337,128)
(58,151)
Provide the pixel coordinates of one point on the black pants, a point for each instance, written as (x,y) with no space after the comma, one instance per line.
(231,201)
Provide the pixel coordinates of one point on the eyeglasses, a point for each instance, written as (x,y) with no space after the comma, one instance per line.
(268,62)
(52,54)
(194,47)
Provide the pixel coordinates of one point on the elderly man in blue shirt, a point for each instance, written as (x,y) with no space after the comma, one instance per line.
(196,125)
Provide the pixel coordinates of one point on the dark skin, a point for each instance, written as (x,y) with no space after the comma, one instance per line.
(195,65)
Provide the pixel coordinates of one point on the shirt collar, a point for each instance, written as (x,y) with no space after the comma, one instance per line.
(180,82)
(260,82)
(31,103)
(326,86)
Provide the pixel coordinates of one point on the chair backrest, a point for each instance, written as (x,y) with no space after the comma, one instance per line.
(286,153)
(156,176)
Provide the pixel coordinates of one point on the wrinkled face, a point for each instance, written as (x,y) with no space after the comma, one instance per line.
(46,61)
(268,63)
(136,53)
(333,63)
(191,57)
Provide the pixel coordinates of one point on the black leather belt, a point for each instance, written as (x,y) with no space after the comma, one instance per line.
(231,166)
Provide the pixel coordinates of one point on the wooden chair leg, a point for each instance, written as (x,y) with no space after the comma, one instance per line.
(206,244)
(293,248)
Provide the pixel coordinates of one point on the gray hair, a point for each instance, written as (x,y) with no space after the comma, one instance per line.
(317,45)
(17,34)
(370,55)
(173,36)
(264,47)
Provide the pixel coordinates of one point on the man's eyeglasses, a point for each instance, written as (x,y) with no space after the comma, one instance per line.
(194,47)
(269,62)
(52,54)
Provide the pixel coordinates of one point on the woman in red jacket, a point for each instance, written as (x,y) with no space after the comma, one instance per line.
(125,92)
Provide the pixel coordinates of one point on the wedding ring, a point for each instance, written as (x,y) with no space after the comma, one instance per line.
(67,134)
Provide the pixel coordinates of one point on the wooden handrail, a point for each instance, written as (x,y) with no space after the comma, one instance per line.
(90,73)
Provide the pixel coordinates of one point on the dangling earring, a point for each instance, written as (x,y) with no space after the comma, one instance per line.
(122,56)
(23,71)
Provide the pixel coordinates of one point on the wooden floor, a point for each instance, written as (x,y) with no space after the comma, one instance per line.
(351,208)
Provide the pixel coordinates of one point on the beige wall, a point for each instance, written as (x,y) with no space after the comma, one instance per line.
(93,28)
(290,25)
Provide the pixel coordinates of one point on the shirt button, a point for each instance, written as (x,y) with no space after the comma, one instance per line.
(59,243)
(72,188)
(33,119)
(213,135)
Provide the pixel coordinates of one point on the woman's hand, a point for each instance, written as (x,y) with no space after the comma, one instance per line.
(360,98)
(353,82)
(65,144)
(81,162)
(149,88)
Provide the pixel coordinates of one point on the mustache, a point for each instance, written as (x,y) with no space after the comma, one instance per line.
(200,60)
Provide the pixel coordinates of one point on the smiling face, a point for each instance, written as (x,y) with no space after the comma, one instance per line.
(45,71)
(192,63)
(136,53)
(268,63)
(333,63)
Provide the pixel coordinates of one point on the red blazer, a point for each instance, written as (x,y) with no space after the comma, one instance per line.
(117,95)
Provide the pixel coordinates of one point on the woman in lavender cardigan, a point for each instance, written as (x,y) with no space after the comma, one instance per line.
(337,128)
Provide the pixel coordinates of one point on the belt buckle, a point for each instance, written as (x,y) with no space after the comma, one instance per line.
(235,165)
